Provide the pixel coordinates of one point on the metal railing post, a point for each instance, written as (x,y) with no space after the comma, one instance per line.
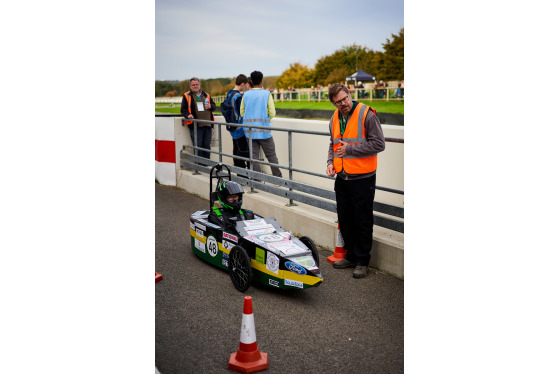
(251,156)
(195,141)
(290,172)
(220,141)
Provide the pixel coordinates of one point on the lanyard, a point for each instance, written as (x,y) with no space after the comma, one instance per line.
(344,120)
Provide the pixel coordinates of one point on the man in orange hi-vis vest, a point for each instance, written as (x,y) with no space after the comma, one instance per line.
(356,139)
(198,104)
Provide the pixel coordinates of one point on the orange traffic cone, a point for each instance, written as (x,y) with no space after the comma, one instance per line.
(339,251)
(158,277)
(248,358)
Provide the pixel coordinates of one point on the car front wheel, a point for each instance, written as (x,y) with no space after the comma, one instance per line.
(240,271)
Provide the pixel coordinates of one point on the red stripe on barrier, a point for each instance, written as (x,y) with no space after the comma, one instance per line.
(165,151)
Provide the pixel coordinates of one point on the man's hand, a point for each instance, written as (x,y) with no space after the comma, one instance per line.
(342,149)
(330,170)
(207,105)
(190,116)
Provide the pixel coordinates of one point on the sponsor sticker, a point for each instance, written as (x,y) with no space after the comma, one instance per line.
(199,232)
(261,231)
(293,283)
(274,283)
(225,255)
(308,261)
(288,248)
(259,255)
(316,272)
(255,240)
(295,268)
(272,262)
(255,222)
(224,262)
(227,245)
(272,238)
(227,235)
(212,246)
(200,246)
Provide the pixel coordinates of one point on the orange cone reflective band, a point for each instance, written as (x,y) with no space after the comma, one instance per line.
(248,358)
(339,251)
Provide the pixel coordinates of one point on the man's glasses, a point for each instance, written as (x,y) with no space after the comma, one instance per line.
(340,102)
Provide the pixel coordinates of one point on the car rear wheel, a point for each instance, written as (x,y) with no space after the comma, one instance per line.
(311,245)
(239,265)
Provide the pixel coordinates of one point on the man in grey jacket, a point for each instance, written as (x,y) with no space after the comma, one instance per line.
(356,139)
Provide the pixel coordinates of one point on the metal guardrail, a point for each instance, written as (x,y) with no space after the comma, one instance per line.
(307,194)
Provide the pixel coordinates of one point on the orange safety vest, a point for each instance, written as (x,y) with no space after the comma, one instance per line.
(189,98)
(355,133)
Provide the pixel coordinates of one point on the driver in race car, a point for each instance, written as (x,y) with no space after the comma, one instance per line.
(230,196)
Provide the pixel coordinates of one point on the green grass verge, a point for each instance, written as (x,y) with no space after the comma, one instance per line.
(379,105)
(176,110)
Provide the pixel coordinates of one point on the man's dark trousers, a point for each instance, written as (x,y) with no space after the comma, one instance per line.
(354,205)
(241,148)
(204,137)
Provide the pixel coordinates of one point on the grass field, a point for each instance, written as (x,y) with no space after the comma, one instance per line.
(379,105)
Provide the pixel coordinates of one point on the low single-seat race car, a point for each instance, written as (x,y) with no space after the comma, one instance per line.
(258,249)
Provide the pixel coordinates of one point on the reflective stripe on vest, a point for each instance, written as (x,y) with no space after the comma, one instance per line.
(256,113)
(353,134)
(188,97)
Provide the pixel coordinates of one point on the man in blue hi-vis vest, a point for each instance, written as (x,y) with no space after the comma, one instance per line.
(257,108)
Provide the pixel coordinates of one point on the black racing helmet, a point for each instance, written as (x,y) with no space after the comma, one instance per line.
(229,188)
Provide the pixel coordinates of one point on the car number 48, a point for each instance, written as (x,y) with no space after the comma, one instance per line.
(212,246)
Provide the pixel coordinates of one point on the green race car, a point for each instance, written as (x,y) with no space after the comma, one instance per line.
(256,249)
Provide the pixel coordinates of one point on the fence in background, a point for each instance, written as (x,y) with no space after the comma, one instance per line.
(309,95)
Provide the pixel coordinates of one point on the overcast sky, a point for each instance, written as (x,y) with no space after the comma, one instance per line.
(216,39)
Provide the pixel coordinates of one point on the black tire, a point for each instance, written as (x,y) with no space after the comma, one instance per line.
(239,265)
(309,243)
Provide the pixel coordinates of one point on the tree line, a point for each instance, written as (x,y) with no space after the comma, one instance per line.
(383,65)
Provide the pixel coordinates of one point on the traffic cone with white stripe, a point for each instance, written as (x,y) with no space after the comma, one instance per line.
(339,251)
(248,358)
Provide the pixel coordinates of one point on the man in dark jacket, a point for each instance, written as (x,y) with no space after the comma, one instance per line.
(199,105)
(240,145)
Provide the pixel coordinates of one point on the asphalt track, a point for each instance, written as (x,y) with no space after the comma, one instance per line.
(345,325)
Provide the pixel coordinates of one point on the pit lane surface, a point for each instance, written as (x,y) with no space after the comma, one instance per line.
(343,326)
